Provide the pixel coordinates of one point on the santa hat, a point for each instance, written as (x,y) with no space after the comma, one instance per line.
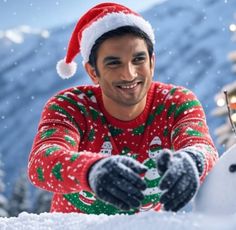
(92,25)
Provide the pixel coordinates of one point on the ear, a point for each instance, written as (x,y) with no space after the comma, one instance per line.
(152,64)
(92,73)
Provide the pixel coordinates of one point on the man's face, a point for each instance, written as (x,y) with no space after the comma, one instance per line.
(125,70)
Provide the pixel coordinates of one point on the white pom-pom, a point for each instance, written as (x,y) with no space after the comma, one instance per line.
(64,70)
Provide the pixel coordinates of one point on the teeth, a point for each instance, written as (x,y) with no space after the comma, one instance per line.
(128,86)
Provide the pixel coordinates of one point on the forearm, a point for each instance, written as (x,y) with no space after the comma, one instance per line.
(189,130)
(204,157)
(59,170)
(55,163)
(193,136)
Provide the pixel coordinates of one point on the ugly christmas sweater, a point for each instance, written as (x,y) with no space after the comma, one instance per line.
(75,131)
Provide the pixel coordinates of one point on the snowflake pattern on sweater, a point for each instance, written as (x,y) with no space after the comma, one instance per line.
(75,131)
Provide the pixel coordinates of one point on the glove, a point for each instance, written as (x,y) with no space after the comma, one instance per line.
(115,180)
(180,173)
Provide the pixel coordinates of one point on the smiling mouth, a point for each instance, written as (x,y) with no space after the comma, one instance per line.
(130,86)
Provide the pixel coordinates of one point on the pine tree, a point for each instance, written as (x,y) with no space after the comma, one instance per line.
(43,201)
(20,196)
(3,199)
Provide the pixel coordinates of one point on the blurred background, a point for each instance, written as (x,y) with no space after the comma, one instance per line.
(195,47)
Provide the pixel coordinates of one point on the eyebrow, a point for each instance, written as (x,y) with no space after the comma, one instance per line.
(142,53)
(114,58)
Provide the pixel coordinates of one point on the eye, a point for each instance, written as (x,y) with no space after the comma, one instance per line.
(139,59)
(114,63)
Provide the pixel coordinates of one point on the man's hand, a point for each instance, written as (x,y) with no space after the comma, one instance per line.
(115,180)
(180,178)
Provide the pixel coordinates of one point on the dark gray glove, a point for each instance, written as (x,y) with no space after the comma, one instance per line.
(180,173)
(115,180)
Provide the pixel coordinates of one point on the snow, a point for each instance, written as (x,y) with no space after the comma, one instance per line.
(16,35)
(147,220)
(217,193)
(214,208)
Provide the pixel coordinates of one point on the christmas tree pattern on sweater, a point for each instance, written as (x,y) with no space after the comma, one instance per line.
(75,131)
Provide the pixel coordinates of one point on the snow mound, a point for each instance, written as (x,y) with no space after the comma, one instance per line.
(146,220)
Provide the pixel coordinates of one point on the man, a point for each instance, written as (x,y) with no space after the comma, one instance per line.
(125,144)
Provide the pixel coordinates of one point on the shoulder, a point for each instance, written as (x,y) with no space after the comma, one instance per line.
(171,92)
(85,94)
(80,91)
(72,102)
(70,106)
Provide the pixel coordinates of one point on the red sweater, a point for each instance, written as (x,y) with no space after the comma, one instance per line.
(75,131)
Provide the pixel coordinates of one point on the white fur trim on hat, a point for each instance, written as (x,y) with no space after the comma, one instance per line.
(110,22)
(66,70)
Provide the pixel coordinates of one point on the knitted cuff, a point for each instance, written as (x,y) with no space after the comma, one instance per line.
(198,158)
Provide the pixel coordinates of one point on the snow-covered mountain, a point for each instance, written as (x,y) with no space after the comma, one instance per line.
(192,43)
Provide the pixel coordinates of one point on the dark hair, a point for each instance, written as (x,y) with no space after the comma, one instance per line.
(121,31)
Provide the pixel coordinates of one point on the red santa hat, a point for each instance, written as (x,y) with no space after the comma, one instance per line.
(92,25)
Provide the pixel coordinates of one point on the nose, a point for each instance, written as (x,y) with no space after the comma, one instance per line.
(129,72)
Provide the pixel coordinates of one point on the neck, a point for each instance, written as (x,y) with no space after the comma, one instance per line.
(124,113)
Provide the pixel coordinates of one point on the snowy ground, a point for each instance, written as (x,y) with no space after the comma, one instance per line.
(147,220)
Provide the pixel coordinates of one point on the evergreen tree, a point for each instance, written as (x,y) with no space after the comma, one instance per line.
(3,199)
(20,196)
(43,201)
